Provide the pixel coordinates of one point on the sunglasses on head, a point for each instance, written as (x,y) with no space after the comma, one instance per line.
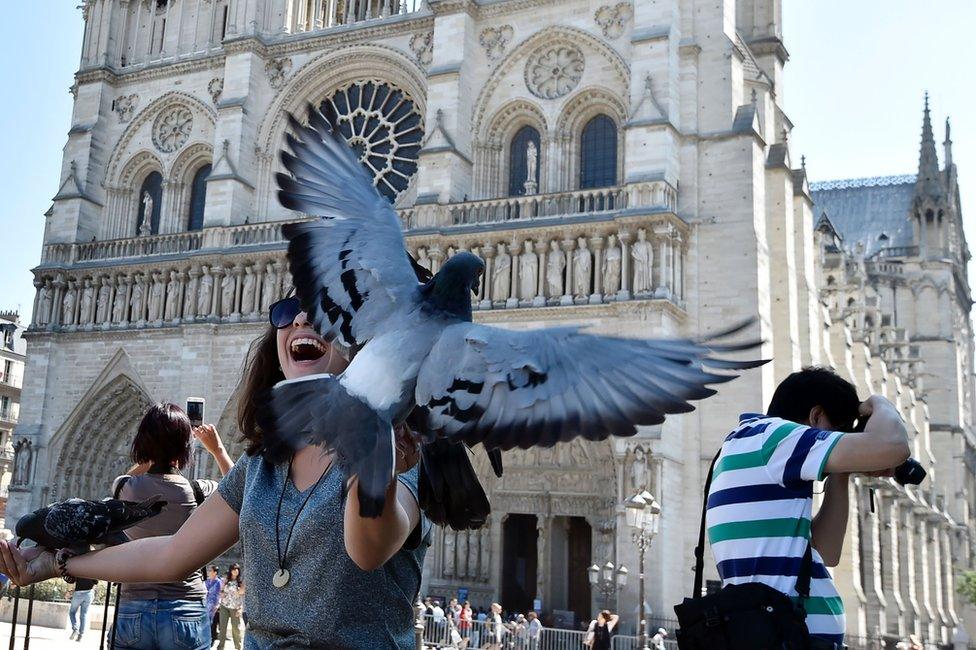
(283,312)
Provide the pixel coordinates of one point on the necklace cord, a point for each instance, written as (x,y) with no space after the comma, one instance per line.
(291,529)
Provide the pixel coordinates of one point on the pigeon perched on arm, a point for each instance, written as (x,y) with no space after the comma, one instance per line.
(420,359)
(79,524)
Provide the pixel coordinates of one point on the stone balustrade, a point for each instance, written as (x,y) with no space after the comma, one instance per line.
(308,17)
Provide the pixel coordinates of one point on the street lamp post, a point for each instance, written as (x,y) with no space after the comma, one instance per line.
(644,517)
(607,580)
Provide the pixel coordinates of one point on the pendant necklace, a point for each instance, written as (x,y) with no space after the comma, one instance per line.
(282,575)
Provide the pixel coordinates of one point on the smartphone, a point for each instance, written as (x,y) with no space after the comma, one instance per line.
(194,410)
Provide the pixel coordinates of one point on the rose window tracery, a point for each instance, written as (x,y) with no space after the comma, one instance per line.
(172,129)
(554,71)
(385,128)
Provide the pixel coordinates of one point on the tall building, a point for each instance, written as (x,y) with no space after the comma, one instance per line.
(13,350)
(624,167)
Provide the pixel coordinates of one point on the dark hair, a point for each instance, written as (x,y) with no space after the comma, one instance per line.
(230,569)
(215,569)
(810,387)
(260,372)
(164,436)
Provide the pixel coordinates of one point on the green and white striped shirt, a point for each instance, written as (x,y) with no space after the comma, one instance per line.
(760,511)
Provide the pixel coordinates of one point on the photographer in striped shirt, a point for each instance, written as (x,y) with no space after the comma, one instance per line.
(760,505)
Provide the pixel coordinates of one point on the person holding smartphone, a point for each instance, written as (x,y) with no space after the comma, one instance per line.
(306,548)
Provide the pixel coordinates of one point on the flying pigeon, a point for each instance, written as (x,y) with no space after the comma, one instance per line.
(78,524)
(419,358)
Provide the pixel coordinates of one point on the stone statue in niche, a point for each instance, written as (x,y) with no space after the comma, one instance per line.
(423,258)
(247,295)
(68,305)
(136,301)
(104,295)
(173,296)
(643,256)
(531,167)
(638,469)
(44,305)
(190,295)
(205,295)
(87,303)
(528,272)
(156,290)
(611,266)
(582,266)
(118,309)
(228,287)
(555,268)
(23,455)
(145,228)
(501,275)
(268,287)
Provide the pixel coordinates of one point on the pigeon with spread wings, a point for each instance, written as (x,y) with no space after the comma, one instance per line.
(420,359)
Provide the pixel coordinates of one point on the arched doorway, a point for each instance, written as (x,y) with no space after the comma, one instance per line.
(96,449)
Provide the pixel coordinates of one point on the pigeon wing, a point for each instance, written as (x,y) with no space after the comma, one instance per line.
(350,268)
(77,521)
(508,389)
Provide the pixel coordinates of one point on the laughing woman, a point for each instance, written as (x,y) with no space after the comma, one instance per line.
(306,548)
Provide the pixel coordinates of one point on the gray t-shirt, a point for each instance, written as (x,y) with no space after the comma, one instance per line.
(177,492)
(329,601)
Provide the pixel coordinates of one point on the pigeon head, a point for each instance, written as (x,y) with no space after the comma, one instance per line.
(450,290)
(31,526)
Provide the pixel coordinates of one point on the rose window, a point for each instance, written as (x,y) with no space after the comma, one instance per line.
(382,124)
(172,129)
(554,71)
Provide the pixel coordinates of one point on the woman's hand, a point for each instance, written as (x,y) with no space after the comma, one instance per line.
(209,438)
(407,448)
(27,566)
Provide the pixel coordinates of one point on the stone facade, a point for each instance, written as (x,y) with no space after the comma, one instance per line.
(704,224)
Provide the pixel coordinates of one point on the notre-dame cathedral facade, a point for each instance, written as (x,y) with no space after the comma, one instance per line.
(620,165)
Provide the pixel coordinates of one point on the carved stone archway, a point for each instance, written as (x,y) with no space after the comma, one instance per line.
(96,449)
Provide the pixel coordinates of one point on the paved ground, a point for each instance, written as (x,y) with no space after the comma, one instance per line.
(47,638)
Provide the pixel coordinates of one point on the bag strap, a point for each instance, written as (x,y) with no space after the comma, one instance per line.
(119,484)
(198,495)
(700,549)
(804,574)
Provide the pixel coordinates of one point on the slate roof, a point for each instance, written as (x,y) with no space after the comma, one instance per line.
(862,209)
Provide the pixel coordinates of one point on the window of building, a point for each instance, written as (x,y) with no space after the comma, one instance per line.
(4,407)
(152,187)
(8,367)
(519,160)
(598,153)
(198,198)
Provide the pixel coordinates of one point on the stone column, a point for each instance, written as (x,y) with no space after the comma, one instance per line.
(568,245)
(663,234)
(38,284)
(514,251)
(218,275)
(543,526)
(238,272)
(624,236)
(436,257)
(596,245)
(59,285)
(488,253)
(541,248)
(679,259)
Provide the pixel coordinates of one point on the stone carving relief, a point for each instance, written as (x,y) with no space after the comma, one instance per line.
(278,70)
(613,19)
(125,107)
(554,71)
(466,555)
(611,266)
(215,88)
(173,296)
(643,257)
(555,270)
(528,270)
(172,128)
(422,46)
(501,274)
(495,40)
(582,267)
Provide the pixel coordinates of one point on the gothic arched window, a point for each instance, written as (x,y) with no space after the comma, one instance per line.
(152,187)
(598,153)
(518,161)
(198,199)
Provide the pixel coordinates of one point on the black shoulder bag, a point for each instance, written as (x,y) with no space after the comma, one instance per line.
(750,616)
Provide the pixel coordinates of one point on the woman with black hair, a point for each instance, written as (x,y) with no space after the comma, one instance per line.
(306,549)
(231,605)
(166,614)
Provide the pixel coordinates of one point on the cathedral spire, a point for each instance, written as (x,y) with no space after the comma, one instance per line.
(928,182)
(947,148)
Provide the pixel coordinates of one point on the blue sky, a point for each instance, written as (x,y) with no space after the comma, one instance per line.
(853,89)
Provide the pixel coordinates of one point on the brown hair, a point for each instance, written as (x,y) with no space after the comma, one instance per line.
(260,373)
(163,436)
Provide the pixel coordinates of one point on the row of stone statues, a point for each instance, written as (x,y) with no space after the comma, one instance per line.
(575,271)
(200,292)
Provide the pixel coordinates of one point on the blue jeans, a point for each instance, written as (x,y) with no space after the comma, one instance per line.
(80,600)
(162,625)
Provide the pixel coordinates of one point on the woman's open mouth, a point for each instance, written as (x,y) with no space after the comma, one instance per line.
(307,349)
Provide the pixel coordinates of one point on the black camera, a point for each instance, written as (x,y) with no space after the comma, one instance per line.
(910,472)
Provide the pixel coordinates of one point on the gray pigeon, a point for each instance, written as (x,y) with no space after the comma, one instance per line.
(419,356)
(77,523)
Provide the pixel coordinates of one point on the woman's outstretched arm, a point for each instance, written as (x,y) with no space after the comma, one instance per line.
(211,529)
